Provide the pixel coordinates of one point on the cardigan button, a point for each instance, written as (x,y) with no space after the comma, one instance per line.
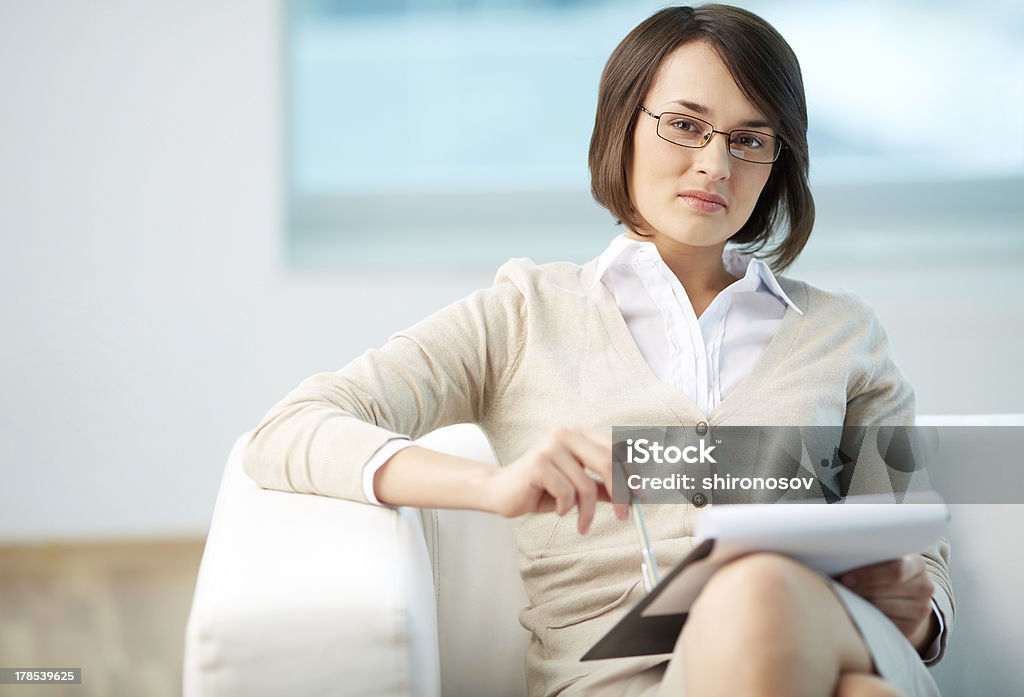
(699,500)
(702,428)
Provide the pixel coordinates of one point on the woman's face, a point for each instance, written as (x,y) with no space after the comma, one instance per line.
(667,182)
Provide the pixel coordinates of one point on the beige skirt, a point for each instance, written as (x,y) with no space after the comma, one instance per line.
(894,658)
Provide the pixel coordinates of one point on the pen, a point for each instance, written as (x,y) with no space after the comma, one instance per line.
(648,567)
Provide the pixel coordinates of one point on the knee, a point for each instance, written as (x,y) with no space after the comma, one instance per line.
(758,581)
(780,613)
(755,600)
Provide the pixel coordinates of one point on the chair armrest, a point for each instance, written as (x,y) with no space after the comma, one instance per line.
(307,595)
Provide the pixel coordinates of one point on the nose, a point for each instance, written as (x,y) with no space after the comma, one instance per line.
(714,159)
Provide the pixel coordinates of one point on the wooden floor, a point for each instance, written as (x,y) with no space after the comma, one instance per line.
(115,610)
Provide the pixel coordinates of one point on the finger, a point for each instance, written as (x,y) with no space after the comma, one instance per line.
(919,588)
(911,608)
(594,450)
(604,493)
(903,608)
(601,438)
(558,487)
(890,573)
(585,487)
(884,574)
(905,614)
(882,570)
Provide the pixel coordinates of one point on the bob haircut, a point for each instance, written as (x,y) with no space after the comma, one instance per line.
(766,71)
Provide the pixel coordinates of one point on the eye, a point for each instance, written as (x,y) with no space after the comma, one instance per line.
(684,125)
(748,141)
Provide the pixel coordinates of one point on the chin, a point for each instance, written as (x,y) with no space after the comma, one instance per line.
(693,236)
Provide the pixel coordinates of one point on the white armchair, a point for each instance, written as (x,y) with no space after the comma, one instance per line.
(431,609)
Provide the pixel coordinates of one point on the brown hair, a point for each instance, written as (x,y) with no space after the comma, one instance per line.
(766,71)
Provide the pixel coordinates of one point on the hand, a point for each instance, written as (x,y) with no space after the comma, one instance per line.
(902,590)
(569,467)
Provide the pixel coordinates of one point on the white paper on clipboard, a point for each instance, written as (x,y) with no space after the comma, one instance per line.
(830,538)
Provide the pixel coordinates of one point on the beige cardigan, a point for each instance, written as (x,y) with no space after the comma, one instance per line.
(540,348)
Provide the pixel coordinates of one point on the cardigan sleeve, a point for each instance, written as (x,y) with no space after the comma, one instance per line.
(885,397)
(880,395)
(443,370)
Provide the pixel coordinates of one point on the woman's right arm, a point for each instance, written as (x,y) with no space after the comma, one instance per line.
(570,467)
(447,369)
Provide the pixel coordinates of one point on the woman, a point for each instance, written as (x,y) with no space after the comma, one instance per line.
(667,327)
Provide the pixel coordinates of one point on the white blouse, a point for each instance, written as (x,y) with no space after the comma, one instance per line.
(706,357)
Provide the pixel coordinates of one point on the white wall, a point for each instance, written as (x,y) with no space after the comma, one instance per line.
(146,318)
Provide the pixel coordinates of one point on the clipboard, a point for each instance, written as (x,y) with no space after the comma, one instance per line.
(829,538)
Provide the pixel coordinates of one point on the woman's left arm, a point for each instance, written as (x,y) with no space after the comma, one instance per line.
(914,592)
(903,591)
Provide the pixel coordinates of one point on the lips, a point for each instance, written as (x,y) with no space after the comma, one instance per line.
(704,196)
(703,201)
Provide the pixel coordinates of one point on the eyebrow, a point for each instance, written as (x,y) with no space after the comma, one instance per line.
(704,111)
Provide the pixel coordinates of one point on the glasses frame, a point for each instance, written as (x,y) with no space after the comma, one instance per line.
(707,139)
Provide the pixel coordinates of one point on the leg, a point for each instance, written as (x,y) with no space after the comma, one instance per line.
(766,625)
(863,685)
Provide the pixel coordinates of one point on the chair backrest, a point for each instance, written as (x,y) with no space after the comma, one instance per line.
(477,585)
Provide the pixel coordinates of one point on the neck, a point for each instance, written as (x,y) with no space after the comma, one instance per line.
(699,269)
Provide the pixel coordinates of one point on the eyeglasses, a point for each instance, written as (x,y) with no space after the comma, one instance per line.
(691,132)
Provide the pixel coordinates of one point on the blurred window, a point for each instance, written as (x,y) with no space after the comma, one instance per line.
(423,131)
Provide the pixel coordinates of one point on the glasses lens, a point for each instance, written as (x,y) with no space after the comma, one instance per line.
(753,146)
(684,130)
